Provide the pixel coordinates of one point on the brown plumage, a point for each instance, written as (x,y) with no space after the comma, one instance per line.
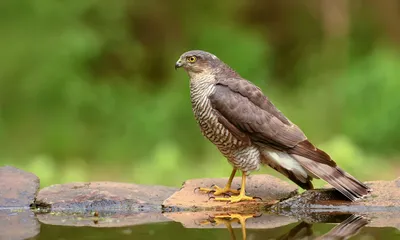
(249,130)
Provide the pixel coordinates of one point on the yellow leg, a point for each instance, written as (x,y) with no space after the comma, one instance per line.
(241,218)
(227,189)
(242,195)
(218,220)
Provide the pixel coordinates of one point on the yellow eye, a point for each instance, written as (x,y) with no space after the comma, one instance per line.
(191,59)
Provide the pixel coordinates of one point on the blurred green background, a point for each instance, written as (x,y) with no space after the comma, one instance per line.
(88,90)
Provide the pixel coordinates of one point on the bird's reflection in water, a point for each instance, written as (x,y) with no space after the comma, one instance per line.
(228,219)
(302,230)
(346,229)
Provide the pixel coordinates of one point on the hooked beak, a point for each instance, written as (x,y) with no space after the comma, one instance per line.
(178,64)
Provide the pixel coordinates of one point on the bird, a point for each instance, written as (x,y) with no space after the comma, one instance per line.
(246,127)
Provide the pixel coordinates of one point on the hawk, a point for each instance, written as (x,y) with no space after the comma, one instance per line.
(250,131)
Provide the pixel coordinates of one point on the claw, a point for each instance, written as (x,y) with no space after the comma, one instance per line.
(236,199)
(226,194)
(257,198)
(211,219)
(207,221)
(195,189)
(211,198)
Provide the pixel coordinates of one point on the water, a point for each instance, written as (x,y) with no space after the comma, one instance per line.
(176,231)
(146,226)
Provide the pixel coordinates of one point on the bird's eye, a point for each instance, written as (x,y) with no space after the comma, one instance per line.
(191,59)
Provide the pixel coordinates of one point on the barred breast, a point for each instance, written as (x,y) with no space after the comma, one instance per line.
(241,156)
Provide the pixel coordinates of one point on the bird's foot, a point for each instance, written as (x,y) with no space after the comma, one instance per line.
(233,217)
(228,219)
(216,221)
(219,191)
(235,199)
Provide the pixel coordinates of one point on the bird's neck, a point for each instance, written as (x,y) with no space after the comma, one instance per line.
(200,86)
(204,78)
(226,72)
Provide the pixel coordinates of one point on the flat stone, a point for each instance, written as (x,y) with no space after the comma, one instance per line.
(385,219)
(270,189)
(385,194)
(18,224)
(99,196)
(398,182)
(385,197)
(102,219)
(17,187)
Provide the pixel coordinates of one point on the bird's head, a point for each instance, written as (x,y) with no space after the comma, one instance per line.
(197,62)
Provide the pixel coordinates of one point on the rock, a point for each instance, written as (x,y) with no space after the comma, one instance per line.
(18,224)
(102,219)
(385,197)
(385,194)
(382,206)
(99,196)
(385,219)
(268,188)
(17,188)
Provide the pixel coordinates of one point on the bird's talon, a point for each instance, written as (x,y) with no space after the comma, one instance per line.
(235,199)
(219,191)
(257,198)
(195,189)
(206,190)
(211,198)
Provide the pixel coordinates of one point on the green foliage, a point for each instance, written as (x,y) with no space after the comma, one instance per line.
(371,102)
(88,90)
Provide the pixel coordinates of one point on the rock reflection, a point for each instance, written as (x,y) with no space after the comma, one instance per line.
(17,224)
(346,229)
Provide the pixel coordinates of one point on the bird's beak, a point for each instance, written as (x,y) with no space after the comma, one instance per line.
(178,64)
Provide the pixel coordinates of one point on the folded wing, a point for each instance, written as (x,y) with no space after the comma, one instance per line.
(245,110)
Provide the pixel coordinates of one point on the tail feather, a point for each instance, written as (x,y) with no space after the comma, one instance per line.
(288,166)
(346,229)
(339,179)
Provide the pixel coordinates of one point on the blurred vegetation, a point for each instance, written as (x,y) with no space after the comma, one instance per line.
(88,90)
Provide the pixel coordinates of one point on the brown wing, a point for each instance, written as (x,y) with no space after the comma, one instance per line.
(246,108)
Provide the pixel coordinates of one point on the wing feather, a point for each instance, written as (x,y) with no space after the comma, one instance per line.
(251,112)
(242,105)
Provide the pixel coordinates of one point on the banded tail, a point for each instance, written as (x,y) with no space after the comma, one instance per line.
(320,165)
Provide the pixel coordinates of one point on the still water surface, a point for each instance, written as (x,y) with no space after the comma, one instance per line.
(176,231)
(28,225)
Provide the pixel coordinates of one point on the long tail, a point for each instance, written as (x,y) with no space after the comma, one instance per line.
(319,164)
(346,229)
